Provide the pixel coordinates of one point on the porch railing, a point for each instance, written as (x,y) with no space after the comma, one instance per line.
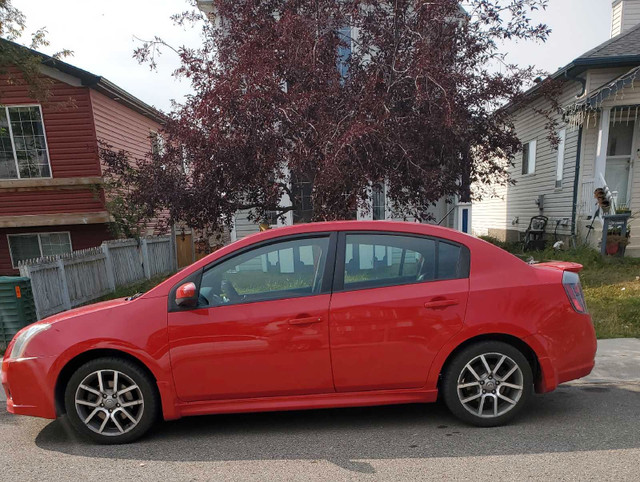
(588,206)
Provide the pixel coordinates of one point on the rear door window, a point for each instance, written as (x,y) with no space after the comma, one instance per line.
(376,260)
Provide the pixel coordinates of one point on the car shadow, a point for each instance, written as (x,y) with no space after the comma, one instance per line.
(573,418)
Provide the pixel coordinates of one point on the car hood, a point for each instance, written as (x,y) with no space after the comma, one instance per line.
(85,310)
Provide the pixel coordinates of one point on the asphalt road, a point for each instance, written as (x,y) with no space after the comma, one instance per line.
(587,430)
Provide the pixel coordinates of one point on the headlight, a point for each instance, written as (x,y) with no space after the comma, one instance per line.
(23,339)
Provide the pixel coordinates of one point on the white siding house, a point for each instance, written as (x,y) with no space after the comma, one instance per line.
(599,128)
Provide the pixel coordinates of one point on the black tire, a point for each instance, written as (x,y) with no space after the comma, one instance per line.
(456,371)
(146,413)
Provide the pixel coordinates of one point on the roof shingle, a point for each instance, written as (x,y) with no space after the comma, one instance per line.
(623,45)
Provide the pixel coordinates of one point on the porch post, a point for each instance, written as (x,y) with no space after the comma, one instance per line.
(601,151)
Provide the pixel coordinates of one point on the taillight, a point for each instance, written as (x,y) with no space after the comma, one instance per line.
(573,288)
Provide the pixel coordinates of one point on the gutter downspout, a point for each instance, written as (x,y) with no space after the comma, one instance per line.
(580,80)
(576,181)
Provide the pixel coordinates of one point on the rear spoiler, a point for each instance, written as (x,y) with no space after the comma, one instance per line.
(561,265)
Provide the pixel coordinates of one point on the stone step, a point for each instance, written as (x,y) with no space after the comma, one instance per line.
(632,251)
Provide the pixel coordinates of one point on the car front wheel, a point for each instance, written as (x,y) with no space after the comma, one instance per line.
(110,401)
(488,383)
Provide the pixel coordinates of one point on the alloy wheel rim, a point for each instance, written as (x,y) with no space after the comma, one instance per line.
(109,402)
(490,385)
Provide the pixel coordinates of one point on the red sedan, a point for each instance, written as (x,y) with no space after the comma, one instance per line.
(312,316)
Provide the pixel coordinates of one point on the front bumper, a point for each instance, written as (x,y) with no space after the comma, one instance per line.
(26,386)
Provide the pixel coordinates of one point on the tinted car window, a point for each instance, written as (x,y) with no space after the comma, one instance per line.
(374,260)
(448,260)
(281,270)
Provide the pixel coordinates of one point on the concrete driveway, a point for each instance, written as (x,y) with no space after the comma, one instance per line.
(585,430)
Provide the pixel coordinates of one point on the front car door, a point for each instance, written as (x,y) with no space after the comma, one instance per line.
(260,328)
(397,299)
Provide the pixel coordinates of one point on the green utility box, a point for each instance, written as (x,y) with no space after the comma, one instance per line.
(17,308)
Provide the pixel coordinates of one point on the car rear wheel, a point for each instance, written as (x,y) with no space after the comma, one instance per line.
(110,401)
(488,383)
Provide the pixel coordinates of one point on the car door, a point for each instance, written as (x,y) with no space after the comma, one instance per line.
(260,328)
(397,299)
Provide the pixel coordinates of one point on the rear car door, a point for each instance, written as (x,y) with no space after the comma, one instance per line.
(260,328)
(397,299)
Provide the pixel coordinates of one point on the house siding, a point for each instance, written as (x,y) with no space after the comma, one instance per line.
(125,129)
(490,215)
(122,127)
(71,143)
(68,124)
(243,226)
(506,212)
(616,20)
(630,14)
(50,202)
(625,15)
(597,78)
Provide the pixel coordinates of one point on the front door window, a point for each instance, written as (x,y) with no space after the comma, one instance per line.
(287,269)
(619,158)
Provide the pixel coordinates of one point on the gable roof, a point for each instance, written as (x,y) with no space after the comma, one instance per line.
(626,44)
(95,82)
(620,51)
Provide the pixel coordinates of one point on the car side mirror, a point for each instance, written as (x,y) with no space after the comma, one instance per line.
(187,295)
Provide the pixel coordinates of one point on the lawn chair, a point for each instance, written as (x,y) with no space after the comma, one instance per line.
(534,236)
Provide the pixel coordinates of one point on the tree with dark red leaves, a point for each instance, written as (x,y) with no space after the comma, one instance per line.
(342,95)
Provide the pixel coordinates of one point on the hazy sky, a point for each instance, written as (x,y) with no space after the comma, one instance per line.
(101,34)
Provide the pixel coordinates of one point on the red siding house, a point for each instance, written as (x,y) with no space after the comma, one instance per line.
(50,172)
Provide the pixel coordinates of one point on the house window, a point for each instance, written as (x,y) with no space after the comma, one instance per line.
(529,157)
(344,51)
(271,217)
(301,189)
(23,144)
(35,245)
(378,201)
(560,165)
(157,144)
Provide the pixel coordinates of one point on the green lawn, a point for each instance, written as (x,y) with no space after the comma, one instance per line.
(611,288)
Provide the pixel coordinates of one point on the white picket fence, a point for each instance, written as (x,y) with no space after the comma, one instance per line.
(62,282)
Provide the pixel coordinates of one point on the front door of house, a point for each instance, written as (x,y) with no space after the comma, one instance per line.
(621,153)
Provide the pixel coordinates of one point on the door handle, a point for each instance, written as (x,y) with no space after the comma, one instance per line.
(309,320)
(440,304)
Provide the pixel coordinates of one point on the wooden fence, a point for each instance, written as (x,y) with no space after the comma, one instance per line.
(62,282)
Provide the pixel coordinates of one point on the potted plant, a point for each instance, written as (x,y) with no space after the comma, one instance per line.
(623,209)
(617,241)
